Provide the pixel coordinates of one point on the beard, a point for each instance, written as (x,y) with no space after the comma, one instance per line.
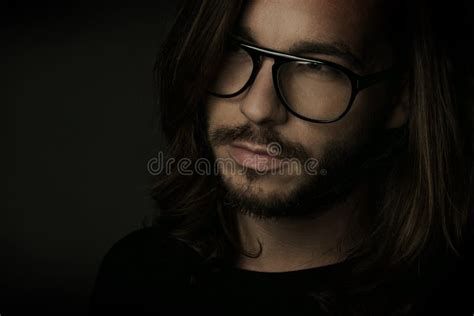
(345,165)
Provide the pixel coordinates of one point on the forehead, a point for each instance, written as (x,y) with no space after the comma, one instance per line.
(278,24)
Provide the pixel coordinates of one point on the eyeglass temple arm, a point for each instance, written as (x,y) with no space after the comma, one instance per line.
(369,80)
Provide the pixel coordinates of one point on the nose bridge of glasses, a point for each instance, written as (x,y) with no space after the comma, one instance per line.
(259,59)
(260,55)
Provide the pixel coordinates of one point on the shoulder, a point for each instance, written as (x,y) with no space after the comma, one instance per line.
(148,241)
(149,245)
(147,248)
(143,263)
(449,286)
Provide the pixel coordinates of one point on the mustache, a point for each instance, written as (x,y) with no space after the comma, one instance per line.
(263,136)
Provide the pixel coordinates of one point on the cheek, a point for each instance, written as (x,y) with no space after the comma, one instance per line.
(211,109)
(370,106)
(366,114)
(313,137)
(220,113)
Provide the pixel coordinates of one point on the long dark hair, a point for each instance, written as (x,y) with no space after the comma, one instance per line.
(424,194)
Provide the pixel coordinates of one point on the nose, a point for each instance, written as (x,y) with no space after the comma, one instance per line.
(261,104)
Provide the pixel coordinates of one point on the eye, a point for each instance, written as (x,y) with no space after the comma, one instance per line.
(315,67)
(234,52)
(232,46)
(319,69)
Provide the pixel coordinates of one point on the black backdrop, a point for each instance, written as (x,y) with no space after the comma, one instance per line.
(77,86)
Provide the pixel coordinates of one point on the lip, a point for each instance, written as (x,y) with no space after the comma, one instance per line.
(253,157)
(259,150)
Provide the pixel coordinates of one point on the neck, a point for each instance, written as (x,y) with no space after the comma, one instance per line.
(289,244)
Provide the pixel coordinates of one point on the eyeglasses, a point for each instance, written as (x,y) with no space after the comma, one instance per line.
(311,89)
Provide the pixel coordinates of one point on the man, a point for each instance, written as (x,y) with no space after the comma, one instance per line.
(343,164)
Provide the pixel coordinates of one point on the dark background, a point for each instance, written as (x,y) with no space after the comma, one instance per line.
(77,86)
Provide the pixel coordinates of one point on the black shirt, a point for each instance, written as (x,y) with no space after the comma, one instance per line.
(149,273)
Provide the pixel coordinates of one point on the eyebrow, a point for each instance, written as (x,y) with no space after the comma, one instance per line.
(336,49)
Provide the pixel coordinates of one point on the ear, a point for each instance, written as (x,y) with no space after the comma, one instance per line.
(400,111)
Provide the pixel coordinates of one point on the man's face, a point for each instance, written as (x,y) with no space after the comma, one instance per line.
(256,118)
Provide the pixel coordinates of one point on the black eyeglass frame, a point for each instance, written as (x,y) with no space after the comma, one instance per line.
(358,82)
